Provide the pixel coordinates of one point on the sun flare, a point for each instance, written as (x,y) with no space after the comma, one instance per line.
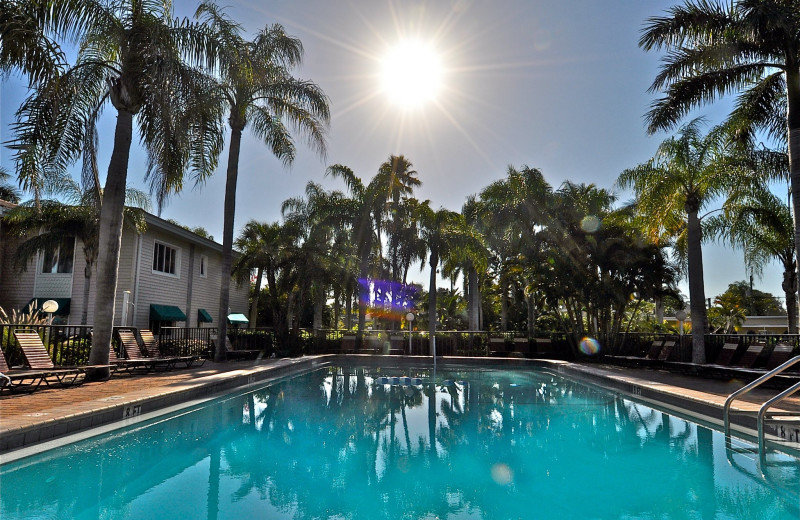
(411,74)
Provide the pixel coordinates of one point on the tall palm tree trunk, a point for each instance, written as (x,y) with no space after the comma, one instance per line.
(793,122)
(531,301)
(110,242)
(87,286)
(227,241)
(474,298)
(363,297)
(348,306)
(697,294)
(319,304)
(789,286)
(256,294)
(434,264)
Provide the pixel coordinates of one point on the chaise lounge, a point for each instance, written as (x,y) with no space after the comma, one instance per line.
(153,349)
(38,358)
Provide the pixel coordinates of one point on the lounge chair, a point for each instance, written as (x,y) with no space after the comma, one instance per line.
(744,368)
(653,357)
(666,350)
(725,355)
(38,358)
(655,349)
(15,380)
(153,349)
(234,354)
(780,355)
(134,352)
(130,365)
(751,354)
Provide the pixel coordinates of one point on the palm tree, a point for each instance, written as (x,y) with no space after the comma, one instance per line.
(514,210)
(686,173)
(761,224)
(256,87)
(319,216)
(134,55)
(473,213)
(29,30)
(7,191)
(445,233)
(49,222)
(714,48)
(255,243)
(363,210)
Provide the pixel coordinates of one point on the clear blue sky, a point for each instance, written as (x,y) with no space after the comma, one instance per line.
(559,85)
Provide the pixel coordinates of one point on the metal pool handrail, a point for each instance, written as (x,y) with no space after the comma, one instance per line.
(747,388)
(763,412)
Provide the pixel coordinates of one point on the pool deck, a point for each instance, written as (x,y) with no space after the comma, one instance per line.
(50,413)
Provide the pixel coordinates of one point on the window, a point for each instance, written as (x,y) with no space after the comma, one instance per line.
(166,259)
(203,266)
(61,258)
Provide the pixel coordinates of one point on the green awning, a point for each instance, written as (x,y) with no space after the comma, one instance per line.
(203,316)
(166,313)
(237,318)
(36,305)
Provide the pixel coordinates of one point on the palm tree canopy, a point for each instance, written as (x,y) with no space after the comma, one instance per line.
(136,57)
(760,224)
(687,172)
(29,30)
(717,48)
(256,86)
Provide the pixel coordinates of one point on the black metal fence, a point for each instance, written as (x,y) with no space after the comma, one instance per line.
(70,344)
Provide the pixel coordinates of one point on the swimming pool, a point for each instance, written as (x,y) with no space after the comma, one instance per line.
(355,443)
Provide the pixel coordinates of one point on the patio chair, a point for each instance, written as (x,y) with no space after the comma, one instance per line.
(650,359)
(130,365)
(38,358)
(15,380)
(153,349)
(134,352)
(751,354)
(666,350)
(655,349)
(720,368)
(725,355)
(780,355)
(234,354)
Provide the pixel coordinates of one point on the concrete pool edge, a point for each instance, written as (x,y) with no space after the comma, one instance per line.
(107,414)
(104,412)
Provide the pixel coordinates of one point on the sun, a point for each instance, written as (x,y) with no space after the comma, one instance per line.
(411,74)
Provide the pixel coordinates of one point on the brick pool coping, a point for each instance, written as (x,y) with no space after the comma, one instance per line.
(52,413)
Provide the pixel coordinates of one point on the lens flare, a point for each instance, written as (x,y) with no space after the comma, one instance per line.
(502,474)
(590,223)
(589,346)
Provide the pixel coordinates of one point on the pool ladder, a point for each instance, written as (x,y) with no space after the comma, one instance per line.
(762,412)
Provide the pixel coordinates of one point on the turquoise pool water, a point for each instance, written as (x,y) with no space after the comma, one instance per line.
(352,443)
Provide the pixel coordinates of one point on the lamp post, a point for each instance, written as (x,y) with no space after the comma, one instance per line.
(681,316)
(50,306)
(409,318)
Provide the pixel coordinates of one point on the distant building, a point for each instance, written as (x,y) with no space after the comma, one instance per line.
(168,276)
(751,325)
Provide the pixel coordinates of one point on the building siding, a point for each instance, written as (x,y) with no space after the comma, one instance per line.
(16,287)
(135,274)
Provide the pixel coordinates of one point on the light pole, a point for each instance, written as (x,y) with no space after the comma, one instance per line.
(50,306)
(409,318)
(681,315)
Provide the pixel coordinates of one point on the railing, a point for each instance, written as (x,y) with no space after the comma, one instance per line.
(186,341)
(726,409)
(67,344)
(70,344)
